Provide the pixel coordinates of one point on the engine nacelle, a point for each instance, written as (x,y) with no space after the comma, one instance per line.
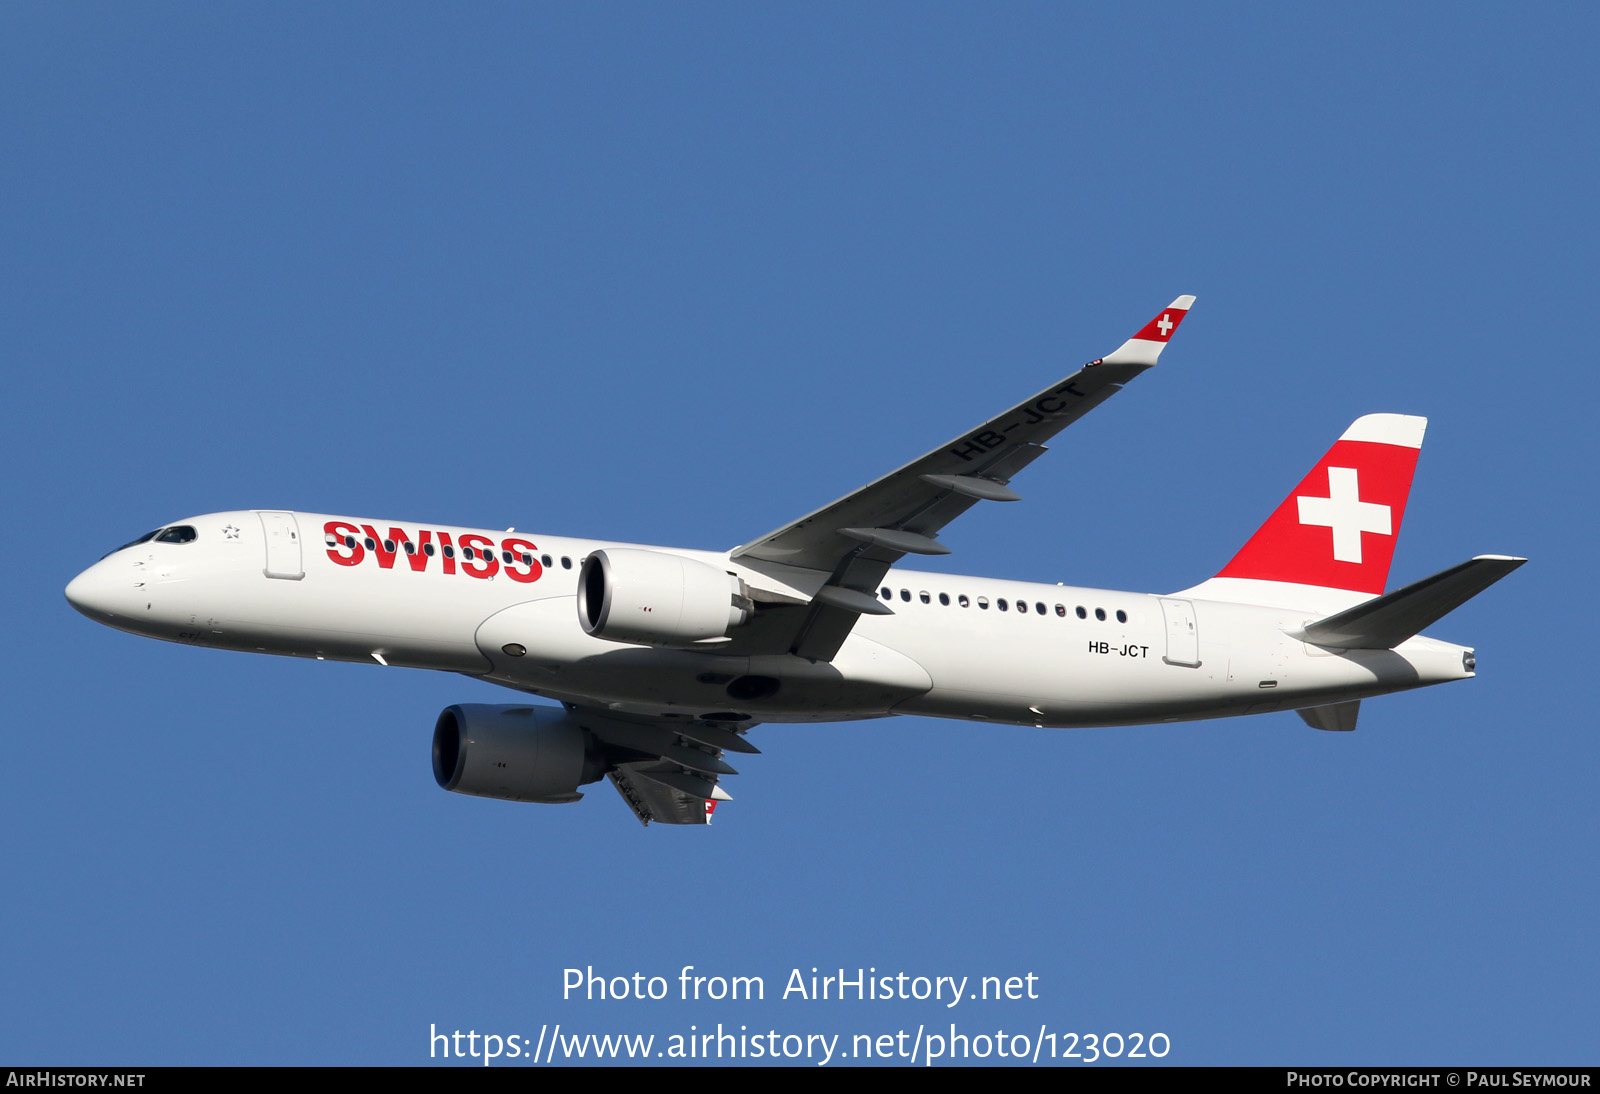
(514,753)
(656,599)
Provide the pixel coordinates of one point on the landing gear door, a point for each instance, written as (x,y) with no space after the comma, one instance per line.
(1183,635)
(282,534)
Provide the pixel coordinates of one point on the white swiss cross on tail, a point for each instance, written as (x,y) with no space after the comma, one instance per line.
(1344,512)
(1357,491)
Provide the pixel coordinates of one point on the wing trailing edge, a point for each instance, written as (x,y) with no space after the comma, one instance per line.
(667,770)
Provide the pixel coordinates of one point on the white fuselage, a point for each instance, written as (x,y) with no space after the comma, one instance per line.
(306,585)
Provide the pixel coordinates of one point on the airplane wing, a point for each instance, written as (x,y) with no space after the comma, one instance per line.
(857,538)
(652,800)
(667,770)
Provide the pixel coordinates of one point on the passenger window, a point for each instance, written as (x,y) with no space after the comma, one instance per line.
(371,546)
(924,597)
(566,563)
(944,598)
(548,562)
(1039,608)
(427,549)
(983,602)
(888,593)
(388,545)
(411,548)
(506,557)
(1022,606)
(905,594)
(350,541)
(1061,610)
(1100,614)
(468,554)
(962,600)
(527,560)
(1122,616)
(1081,613)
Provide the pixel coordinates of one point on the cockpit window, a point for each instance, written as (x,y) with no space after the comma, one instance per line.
(146,538)
(178,533)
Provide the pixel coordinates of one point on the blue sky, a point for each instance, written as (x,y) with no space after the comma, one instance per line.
(680,273)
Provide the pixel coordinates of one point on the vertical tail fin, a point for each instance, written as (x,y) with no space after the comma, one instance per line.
(1337,529)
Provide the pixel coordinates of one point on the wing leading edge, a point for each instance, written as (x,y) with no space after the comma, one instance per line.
(857,538)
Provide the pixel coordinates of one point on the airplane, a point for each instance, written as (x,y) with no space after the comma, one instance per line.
(662,659)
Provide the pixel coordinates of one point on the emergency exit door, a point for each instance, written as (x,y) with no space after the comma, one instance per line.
(282,533)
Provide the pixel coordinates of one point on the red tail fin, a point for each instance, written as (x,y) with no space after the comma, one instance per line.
(1337,529)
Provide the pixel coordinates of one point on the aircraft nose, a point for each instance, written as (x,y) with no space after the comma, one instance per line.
(102,593)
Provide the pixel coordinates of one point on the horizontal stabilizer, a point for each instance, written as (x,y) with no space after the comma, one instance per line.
(1336,717)
(1386,621)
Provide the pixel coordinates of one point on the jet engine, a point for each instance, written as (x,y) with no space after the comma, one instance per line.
(657,599)
(514,753)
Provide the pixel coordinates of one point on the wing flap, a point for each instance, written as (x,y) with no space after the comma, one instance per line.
(651,800)
(667,770)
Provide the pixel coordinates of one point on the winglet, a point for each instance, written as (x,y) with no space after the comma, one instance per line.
(1145,347)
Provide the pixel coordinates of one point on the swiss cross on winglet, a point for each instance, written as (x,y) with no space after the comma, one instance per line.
(1144,347)
(1161,327)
